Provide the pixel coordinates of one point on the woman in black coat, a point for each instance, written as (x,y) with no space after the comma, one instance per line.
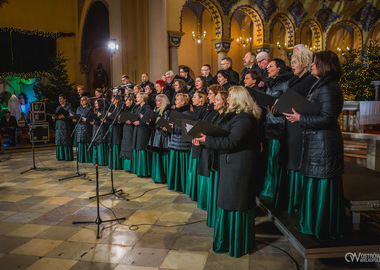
(179,87)
(159,141)
(84,131)
(322,210)
(162,89)
(126,151)
(142,159)
(203,171)
(289,193)
(223,79)
(63,139)
(179,149)
(200,85)
(274,127)
(116,134)
(235,221)
(100,148)
(199,111)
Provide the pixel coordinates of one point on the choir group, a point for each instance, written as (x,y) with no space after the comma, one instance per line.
(293,158)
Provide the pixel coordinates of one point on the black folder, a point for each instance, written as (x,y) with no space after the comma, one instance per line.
(125,116)
(93,117)
(291,99)
(177,117)
(163,123)
(264,100)
(62,111)
(186,126)
(74,116)
(148,116)
(207,129)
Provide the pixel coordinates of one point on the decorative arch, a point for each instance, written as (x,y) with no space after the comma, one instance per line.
(258,38)
(317,34)
(354,26)
(215,15)
(290,33)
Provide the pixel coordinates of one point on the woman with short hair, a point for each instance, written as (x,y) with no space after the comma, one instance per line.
(126,151)
(63,138)
(223,79)
(322,208)
(100,147)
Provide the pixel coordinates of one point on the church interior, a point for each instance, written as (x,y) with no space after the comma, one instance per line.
(93,43)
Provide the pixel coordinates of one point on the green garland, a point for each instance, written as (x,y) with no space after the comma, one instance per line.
(25,76)
(36,32)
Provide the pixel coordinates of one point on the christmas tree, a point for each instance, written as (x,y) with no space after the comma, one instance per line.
(359,69)
(57,83)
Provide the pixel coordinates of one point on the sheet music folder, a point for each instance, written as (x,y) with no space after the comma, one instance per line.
(264,100)
(125,116)
(207,129)
(291,99)
(177,117)
(163,123)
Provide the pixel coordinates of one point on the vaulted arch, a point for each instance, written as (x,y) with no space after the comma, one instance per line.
(215,15)
(289,28)
(317,34)
(357,33)
(258,29)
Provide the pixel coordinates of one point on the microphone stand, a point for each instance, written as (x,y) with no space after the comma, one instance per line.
(31,132)
(113,190)
(77,174)
(98,220)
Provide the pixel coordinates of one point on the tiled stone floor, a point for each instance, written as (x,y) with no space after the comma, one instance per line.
(36,230)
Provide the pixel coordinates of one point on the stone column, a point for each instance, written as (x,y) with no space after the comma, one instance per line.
(158,49)
(222,46)
(265,47)
(116,33)
(174,43)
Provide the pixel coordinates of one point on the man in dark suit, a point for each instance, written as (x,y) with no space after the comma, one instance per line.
(206,72)
(8,126)
(249,63)
(226,64)
(144,80)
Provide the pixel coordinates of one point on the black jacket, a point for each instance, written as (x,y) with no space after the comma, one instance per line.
(142,132)
(126,151)
(233,76)
(322,155)
(292,147)
(159,141)
(84,129)
(63,128)
(275,125)
(237,160)
(176,142)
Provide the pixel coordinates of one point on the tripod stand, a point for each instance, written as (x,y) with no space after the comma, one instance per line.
(77,174)
(98,220)
(113,190)
(31,132)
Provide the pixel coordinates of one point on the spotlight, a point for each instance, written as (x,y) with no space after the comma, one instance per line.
(113,46)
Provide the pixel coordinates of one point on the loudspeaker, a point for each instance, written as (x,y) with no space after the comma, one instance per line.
(41,133)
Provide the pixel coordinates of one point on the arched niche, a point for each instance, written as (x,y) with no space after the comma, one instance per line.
(343,35)
(190,52)
(311,35)
(95,35)
(215,15)
(282,36)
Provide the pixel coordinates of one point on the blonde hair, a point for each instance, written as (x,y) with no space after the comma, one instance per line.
(202,95)
(185,98)
(138,87)
(303,57)
(241,101)
(165,102)
(144,96)
(80,86)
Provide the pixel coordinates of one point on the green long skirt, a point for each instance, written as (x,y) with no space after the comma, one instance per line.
(322,209)
(84,156)
(64,152)
(191,180)
(202,191)
(142,163)
(160,163)
(212,198)
(102,153)
(116,160)
(177,170)
(127,165)
(273,170)
(234,232)
(296,181)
